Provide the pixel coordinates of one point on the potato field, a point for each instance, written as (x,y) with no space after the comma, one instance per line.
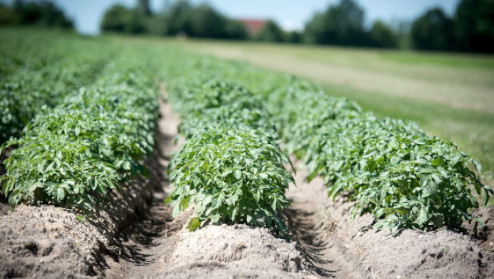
(138,159)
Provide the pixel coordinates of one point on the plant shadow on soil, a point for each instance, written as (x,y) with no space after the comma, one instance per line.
(311,240)
(148,221)
(4,206)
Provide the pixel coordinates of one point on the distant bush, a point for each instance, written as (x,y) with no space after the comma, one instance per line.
(340,24)
(271,32)
(201,21)
(471,28)
(120,19)
(34,13)
(474,25)
(432,31)
(381,35)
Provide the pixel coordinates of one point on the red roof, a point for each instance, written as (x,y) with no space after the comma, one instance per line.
(254,26)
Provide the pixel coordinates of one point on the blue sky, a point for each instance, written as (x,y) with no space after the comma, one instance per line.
(291,14)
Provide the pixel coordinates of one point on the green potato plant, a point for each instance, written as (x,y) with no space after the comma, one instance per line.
(233,175)
(74,153)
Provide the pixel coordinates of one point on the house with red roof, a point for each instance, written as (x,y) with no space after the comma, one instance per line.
(254,26)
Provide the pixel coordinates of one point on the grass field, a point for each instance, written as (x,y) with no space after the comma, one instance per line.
(449,95)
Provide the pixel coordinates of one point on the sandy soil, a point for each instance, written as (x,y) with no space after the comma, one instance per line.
(135,236)
(52,242)
(377,254)
(160,247)
(485,237)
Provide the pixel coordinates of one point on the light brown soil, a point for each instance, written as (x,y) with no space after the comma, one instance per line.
(134,236)
(48,241)
(357,253)
(160,247)
(52,242)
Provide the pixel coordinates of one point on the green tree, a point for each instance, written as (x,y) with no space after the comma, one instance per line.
(271,32)
(7,15)
(143,8)
(474,25)
(156,24)
(37,13)
(176,17)
(382,35)
(236,30)
(202,21)
(122,20)
(433,31)
(294,37)
(340,24)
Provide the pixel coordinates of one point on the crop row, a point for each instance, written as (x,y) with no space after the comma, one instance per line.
(32,50)
(39,83)
(230,165)
(390,168)
(89,143)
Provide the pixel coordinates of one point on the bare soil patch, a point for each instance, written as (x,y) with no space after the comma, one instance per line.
(348,249)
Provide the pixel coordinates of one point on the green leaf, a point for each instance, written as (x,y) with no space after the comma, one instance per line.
(422,218)
(168,199)
(193,224)
(215,218)
(60,194)
(126,165)
(237,174)
(477,165)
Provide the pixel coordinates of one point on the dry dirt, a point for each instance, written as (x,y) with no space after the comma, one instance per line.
(412,254)
(160,247)
(358,253)
(134,236)
(52,242)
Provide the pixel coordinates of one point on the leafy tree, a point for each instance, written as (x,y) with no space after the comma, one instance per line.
(340,24)
(201,21)
(7,15)
(402,28)
(176,17)
(155,24)
(143,8)
(382,35)
(235,30)
(204,21)
(294,37)
(38,13)
(474,25)
(433,31)
(271,32)
(122,20)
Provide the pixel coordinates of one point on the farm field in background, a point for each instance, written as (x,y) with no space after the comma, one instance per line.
(448,95)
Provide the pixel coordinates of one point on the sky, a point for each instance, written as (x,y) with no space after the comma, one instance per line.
(290,14)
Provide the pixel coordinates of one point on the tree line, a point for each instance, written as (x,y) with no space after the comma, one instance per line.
(470,28)
(201,21)
(34,13)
